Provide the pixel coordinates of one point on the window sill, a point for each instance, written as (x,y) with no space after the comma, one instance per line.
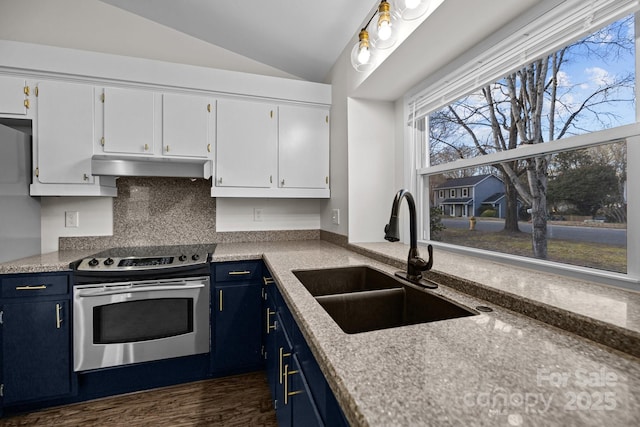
(604,314)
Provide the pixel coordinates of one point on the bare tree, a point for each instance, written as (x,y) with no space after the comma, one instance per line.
(533,105)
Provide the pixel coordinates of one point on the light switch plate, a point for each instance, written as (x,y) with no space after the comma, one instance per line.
(257,214)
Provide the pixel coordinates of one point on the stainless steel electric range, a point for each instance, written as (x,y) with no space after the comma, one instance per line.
(140,304)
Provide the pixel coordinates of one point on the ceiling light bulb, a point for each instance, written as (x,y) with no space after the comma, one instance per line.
(384,21)
(384,30)
(364,53)
(361,54)
(411,4)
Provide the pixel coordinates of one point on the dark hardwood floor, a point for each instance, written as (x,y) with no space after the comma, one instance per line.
(242,400)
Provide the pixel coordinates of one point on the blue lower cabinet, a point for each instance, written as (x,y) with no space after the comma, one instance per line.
(301,394)
(36,350)
(236,327)
(283,361)
(297,395)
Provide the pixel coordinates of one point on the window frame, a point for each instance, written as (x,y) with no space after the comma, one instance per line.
(416,144)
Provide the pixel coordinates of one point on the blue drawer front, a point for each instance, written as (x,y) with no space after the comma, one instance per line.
(238,271)
(31,285)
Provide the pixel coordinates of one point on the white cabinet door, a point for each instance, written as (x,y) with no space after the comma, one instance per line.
(303,154)
(186,125)
(13,99)
(65,132)
(128,121)
(246,144)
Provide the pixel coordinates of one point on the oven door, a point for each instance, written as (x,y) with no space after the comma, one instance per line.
(130,322)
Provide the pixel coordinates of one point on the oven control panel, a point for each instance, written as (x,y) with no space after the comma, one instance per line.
(128,263)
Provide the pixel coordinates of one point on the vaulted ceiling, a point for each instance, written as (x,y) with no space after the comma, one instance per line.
(301,37)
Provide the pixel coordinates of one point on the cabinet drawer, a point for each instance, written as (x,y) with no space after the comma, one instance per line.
(237,271)
(30,285)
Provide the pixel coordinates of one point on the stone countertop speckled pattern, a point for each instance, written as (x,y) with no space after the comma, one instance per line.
(497,368)
(605,303)
(52,261)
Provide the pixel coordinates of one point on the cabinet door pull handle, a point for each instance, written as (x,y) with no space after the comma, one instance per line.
(268,280)
(220,299)
(282,356)
(31,288)
(239,273)
(58,316)
(269,326)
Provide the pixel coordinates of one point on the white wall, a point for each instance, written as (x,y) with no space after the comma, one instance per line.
(95,218)
(277,214)
(339,178)
(372,158)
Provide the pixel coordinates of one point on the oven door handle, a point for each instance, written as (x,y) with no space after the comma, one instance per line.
(91,293)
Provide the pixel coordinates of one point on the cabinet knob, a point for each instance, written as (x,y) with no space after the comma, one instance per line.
(220,180)
(85,177)
(146,147)
(167,148)
(209,107)
(26,103)
(208,148)
(282,182)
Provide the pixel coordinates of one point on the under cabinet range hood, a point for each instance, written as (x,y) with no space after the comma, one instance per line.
(150,167)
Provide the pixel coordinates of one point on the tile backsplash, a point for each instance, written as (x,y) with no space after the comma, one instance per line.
(170,211)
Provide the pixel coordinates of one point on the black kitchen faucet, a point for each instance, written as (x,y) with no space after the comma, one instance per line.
(415,264)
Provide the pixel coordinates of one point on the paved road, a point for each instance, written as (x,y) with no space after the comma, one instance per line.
(608,236)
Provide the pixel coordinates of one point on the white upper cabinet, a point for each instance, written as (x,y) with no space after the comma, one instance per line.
(14,97)
(246,144)
(65,132)
(128,126)
(303,147)
(187,125)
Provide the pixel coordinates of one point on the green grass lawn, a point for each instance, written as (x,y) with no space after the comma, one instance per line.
(594,255)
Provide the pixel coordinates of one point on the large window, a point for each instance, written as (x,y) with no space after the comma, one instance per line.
(543,149)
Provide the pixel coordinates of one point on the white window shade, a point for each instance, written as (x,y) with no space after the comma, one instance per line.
(558,27)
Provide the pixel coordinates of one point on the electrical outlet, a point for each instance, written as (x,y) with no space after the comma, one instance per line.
(257,214)
(72,219)
(335,216)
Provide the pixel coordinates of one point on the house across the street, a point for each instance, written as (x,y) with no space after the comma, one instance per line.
(464,197)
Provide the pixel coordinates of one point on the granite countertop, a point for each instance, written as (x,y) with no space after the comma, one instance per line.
(52,261)
(497,368)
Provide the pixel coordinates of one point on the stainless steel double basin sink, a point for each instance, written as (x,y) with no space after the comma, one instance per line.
(361,299)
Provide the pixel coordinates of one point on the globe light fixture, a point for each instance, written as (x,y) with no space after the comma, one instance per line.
(384,33)
(361,57)
(409,10)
